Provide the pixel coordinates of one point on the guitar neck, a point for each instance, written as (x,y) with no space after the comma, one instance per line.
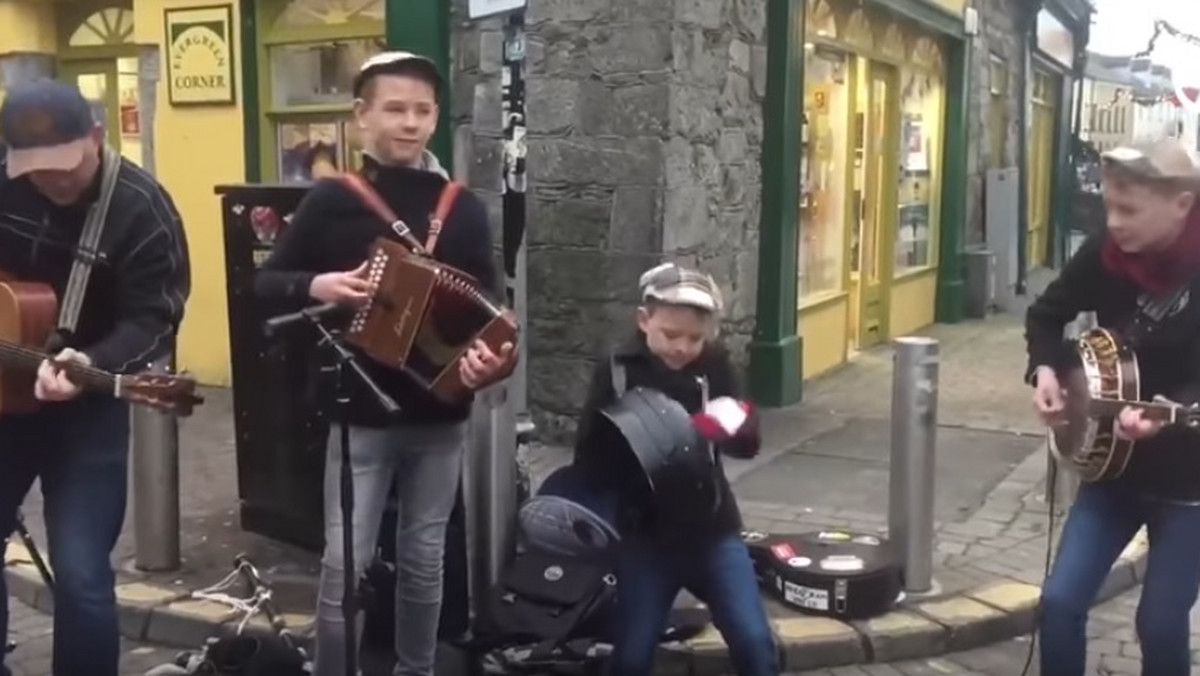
(20,357)
(1166,413)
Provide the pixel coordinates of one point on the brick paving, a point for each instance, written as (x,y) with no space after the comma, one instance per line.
(1112,650)
(999,537)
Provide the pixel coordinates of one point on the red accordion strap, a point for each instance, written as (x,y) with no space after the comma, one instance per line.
(359,186)
(445,203)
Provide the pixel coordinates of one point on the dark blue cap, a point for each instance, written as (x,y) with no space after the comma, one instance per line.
(46,125)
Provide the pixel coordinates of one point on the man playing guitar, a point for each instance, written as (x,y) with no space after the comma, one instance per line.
(129,291)
(1137,277)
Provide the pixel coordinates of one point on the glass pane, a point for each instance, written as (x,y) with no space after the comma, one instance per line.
(352,161)
(307,150)
(823,174)
(318,74)
(112,26)
(920,139)
(129,118)
(878,138)
(329,12)
(94,87)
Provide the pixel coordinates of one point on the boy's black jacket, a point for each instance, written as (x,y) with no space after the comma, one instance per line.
(332,231)
(643,369)
(1165,334)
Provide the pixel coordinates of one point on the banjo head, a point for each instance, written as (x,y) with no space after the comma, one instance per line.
(1088,444)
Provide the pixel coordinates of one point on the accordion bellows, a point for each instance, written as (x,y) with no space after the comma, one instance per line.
(423,318)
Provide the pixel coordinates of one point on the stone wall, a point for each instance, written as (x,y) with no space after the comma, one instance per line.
(644,129)
(999,35)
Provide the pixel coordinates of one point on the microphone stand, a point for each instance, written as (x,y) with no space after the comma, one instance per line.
(344,360)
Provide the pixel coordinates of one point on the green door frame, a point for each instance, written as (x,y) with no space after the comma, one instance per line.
(775,349)
(949,307)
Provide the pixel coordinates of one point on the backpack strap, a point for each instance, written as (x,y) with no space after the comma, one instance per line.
(445,202)
(617,369)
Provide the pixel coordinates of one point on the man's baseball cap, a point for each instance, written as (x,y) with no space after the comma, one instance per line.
(398,62)
(1165,160)
(675,285)
(46,125)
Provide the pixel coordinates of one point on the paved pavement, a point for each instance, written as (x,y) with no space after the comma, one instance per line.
(824,467)
(1113,650)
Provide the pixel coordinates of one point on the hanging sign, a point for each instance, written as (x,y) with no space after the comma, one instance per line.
(478,9)
(200,56)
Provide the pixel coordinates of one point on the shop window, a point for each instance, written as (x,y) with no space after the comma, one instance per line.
(998,113)
(312,52)
(921,109)
(824,174)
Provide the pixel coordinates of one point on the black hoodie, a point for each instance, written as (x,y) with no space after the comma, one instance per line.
(332,231)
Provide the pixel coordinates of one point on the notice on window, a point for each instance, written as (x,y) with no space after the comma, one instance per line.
(200,56)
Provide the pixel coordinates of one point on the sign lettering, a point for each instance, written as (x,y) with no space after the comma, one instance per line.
(200,56)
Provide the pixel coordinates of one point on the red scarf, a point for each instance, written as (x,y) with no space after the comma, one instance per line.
(1162,272)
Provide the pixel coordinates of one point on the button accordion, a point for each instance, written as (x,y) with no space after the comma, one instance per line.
(424,315)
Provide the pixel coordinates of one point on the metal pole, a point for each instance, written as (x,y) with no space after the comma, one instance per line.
(155,435)
(155,442)
(914,435)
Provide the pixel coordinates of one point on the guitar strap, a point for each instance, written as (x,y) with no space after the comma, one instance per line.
(87,252)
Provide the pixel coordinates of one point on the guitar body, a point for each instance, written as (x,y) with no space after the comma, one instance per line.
(28,313)
(1085,443)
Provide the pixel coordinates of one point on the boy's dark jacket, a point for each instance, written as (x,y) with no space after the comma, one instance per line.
(1165,335)
(644,369)
(332,231)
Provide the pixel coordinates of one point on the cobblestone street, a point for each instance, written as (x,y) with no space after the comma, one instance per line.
(1113,650)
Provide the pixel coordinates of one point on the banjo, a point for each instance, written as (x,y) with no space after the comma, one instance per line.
(1104,384)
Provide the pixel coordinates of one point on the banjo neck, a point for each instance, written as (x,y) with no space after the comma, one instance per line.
(1170,414)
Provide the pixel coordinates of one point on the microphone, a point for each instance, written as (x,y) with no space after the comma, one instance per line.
(313,313)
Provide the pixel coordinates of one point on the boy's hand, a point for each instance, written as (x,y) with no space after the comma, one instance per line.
(723,418)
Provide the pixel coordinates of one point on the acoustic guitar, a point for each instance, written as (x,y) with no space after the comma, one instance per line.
(28,313)
(1104,384)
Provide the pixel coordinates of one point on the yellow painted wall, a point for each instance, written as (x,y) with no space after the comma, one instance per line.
(958,7)
(27,26)
(823,328)
(196,149)
(912,305)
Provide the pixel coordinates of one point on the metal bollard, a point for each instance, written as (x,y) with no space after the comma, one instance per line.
(155,453)
(491,486)
(914,435)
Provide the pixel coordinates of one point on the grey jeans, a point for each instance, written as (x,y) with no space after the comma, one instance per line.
(426,463)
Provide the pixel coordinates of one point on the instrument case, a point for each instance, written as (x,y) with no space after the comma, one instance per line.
(838,574)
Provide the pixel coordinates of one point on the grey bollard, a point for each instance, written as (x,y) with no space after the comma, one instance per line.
(491,489)
(154,438)
(911,485)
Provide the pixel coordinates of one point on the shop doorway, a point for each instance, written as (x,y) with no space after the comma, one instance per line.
(1043,114)
(111,86)
(873,221)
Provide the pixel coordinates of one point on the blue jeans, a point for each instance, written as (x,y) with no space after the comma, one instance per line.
(1102,521)
(425,461)
(79,451)
(718,572)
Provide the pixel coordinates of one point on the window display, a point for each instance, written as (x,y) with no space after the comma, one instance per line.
(823,174)
(921,95)
(317,74)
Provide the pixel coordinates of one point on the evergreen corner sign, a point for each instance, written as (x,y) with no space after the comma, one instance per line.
(478,9)
(200,56)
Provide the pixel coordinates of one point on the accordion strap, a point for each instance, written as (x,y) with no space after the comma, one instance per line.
(370,197)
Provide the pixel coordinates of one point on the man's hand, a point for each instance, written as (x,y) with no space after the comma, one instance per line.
(1048,395)
(348,288)
(52,382)
(1132,425)
(479,365)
